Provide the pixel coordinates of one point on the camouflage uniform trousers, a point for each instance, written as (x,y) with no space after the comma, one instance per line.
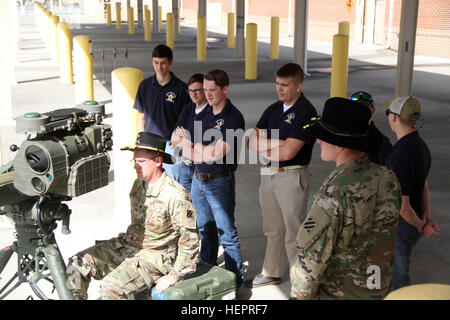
(116,264)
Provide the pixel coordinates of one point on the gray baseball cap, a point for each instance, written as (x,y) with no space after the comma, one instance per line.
(406,107)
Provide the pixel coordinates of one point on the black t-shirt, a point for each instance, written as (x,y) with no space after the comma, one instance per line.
(161,104)
(384,151)
(290,125)
(228,125)
(411,161)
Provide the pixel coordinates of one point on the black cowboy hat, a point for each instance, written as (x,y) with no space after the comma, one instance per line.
(345,123)
(153,142)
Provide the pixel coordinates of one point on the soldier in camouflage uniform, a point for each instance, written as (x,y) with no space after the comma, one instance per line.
(160,246)
(346,244)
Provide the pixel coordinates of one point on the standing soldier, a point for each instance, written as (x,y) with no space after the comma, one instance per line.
(346,244)
(286,181)
(160,246)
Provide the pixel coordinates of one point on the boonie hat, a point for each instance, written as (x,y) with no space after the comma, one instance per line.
(345,123)
(406,107)
(153,142)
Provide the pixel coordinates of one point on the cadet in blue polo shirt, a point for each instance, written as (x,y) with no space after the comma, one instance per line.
(213,185)
(159,101)
(286,179)
(192,112)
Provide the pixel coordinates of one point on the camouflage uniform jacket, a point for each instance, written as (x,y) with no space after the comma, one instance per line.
(349,232)
(163,225)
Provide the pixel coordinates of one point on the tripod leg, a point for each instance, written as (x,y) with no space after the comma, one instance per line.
(58,271)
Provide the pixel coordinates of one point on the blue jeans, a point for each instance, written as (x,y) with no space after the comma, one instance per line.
(172,170)
(407,237)
(214,202)
(185,174)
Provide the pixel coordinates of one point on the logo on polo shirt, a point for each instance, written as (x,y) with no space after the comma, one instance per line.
(170,96)
(290,117)
(219,123)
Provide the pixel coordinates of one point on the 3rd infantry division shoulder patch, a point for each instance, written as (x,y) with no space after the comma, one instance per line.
(309,224)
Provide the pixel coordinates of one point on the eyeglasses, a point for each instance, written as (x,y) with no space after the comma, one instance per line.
(139,162)
(195,91)
(362,97)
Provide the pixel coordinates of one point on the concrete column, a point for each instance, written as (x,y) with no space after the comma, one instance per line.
(155,10)
(240,26)
(406,48)
(202,8)
(140,13)
(300,33)
(176,20)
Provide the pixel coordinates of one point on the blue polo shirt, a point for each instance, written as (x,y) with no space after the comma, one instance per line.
(161,105)
(187,118)
(290,125)
(215,127)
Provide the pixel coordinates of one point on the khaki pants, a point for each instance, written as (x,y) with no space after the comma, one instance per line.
(283,197)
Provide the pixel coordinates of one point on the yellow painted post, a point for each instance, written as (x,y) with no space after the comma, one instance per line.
(53,36)
(46,28)
(160,18)
(169,30)
(344,27)
(84,82)
(118,17)
(124,83)
(148,24)
(251,52)
(339,66)
(130,21)
(108,14)
(201,38)
(274,37)
(65,53)
(231,24)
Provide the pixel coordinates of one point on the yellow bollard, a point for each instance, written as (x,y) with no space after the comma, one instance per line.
(426,291)
(46,28)
(251,52)
(169,30)
(124,85)
(130,21)
(148,24)
(339,66)
(274,37)
(108,14)
(65,53)
(84,82)
(160,18)
(118,16)
(201,39)
(53,35)
(230,37)
(344,28)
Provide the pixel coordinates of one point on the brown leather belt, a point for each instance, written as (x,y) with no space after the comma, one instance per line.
(210,176)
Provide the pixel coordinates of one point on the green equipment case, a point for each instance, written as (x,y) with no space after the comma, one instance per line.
(206,283)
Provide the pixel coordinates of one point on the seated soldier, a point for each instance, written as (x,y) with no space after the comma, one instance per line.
(160,246)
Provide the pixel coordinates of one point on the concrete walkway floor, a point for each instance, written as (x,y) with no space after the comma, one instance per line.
(371,69)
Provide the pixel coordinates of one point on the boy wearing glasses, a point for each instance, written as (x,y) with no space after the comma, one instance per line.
(192,112)
(383,145)
(159,101)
